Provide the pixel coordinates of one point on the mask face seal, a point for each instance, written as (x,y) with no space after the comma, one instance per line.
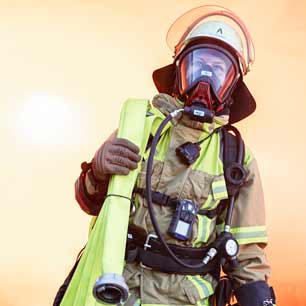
(206,74)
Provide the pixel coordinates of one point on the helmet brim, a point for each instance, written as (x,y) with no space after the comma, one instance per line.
(244,103)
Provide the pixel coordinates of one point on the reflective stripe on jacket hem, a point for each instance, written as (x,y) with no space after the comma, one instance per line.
(204,287)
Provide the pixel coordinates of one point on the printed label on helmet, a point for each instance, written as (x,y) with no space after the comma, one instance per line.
(206,73)
(219,31)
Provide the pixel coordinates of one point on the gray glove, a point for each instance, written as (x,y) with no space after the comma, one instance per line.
(115,156)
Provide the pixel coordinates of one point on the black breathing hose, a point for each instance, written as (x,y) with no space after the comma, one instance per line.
(149,194)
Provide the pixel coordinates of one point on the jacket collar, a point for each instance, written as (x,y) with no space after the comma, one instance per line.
(167,104)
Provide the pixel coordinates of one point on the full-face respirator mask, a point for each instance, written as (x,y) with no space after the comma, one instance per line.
(206,76)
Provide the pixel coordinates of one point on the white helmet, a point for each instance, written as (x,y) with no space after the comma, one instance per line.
(225,26)
(218,30)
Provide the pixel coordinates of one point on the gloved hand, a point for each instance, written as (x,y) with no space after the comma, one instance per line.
(257,293)
(115,156)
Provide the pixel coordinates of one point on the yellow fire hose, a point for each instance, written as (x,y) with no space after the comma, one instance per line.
(98,277)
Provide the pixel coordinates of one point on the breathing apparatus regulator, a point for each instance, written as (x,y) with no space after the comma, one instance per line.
(209,60)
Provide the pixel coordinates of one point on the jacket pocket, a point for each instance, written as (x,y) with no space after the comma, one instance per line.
(217,193)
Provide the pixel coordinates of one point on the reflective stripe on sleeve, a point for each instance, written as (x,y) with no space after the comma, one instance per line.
(248,234)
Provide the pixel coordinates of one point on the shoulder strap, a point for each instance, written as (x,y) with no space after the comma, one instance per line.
(230,146)
(230,156)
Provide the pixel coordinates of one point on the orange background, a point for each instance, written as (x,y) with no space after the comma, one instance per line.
(82,59)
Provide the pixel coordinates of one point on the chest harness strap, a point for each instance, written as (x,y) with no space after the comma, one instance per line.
(164,200)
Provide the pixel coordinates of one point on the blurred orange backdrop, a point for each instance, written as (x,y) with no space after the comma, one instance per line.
(66,67)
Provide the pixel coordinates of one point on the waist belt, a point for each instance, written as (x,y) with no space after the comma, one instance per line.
(165,200)
(149,251)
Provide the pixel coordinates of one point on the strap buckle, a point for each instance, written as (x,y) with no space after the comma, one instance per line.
(146,246)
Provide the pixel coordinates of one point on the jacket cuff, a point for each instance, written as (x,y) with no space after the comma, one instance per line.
(95,187)
(255,294)
(88,205)
(90,198)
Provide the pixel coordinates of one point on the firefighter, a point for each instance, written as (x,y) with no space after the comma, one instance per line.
(213,51)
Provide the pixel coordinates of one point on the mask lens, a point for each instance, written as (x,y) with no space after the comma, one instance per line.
(208,65)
